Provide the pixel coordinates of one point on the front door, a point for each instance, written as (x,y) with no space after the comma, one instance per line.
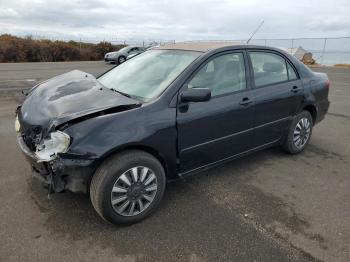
(223,126)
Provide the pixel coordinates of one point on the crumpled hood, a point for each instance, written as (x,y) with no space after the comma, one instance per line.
(67,97)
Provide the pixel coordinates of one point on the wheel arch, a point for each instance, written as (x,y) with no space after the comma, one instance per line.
(121,55)
(138,147)
(312,110)
(125,148)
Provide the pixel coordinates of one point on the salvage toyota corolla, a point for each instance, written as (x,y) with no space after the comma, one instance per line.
(170,112)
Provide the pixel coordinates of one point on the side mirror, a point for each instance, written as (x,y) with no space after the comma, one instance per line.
(195,95)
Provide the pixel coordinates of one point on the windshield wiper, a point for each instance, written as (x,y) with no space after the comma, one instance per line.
(122,93)
(139,98)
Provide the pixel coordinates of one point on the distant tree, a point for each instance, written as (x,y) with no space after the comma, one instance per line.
(101,48)
(27,49)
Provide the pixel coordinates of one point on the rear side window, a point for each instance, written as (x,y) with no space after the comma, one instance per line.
(291,72)
(268,68)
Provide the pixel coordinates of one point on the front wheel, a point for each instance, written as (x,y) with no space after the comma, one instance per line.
(128,187)
(299,133)
(121,59)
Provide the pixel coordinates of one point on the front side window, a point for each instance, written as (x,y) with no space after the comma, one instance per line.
(223,74)
(147,75)
(269,68)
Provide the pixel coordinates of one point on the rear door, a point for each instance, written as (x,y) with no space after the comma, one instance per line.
(278,93)
(221,127)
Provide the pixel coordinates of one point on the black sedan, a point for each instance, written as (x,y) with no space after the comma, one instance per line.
(167,113)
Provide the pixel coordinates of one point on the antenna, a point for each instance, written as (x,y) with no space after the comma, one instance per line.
(256,30)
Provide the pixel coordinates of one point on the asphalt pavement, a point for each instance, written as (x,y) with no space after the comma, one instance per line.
(268,206)
(15,77)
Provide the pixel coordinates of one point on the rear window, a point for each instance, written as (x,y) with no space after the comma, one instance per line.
(291,72)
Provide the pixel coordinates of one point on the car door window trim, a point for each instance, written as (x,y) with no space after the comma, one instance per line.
(295,71)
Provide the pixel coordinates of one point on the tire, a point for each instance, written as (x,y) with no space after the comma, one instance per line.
(112,175)
(121,59)
(296,142)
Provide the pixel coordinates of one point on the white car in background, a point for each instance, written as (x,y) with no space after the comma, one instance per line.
(120,56)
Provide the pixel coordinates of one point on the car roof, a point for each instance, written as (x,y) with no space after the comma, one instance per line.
(205,46)
(218,46)
(200,46)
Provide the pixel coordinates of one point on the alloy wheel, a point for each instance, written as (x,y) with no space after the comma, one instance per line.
(302,132)
(134,191)
(121,60)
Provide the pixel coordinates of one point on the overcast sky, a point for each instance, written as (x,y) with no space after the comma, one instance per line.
(180,20)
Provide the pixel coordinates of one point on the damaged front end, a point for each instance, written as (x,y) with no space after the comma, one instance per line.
(41,170)
(50,165)
(48,110)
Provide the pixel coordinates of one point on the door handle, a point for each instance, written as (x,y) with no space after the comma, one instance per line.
(246,101)
(295,89)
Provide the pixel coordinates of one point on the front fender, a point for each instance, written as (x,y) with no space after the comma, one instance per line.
(145,127)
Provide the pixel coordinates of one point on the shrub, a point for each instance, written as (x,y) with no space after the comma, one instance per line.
(18,49)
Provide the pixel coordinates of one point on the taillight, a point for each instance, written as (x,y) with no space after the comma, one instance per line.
(328,83)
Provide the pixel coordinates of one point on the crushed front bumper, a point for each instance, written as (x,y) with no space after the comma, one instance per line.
(40,170)
(61,173)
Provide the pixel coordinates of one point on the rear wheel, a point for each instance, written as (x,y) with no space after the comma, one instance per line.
(299,133)
(128,187)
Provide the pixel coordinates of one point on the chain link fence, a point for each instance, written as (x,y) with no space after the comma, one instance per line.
(326,51)
(94,40)
(144,43)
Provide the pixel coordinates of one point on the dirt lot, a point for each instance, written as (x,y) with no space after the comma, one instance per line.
(266,207)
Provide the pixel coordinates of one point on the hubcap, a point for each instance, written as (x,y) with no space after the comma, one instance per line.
(134,191)
(302,133)
(121,60)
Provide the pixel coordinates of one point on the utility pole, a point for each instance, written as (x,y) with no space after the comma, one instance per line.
(324,49)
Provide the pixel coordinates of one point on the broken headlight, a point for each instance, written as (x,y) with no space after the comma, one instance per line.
(17,124)
(58,142)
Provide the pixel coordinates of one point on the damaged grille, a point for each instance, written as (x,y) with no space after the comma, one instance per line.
(31,134)
(29,142)
(31,138)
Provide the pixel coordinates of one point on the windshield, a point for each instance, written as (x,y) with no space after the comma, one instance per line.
(147,75)
(124,49)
